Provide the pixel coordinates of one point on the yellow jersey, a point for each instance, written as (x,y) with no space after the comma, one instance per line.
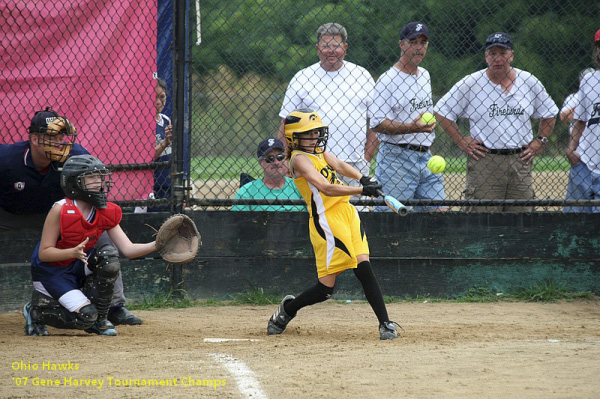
(315,200)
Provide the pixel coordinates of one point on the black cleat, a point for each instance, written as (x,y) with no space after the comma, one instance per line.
(280,319)
(120,315)
(31,327)
(102,327)
(387,330)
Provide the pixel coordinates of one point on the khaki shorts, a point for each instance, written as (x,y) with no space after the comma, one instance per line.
(499,177)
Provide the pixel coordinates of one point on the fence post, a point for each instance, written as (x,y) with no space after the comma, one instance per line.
(179,51)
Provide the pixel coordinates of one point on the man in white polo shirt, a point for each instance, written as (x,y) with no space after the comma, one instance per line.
(340,92)
(583,151)
(402,94)
(499,102)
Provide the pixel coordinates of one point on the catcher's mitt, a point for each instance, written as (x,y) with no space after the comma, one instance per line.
(178,239)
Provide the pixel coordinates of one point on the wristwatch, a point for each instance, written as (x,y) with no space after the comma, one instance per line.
(543,139)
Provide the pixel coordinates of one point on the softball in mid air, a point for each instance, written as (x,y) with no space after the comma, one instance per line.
(436,164)
(428,118)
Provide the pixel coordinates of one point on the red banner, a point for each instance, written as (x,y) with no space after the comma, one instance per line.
(91,61)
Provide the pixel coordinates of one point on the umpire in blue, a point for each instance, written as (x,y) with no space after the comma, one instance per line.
(30,185)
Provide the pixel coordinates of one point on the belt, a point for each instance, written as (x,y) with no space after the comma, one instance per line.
(420,148)
(505,151)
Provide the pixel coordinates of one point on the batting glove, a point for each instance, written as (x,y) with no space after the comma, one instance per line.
(371,186)
(368,181)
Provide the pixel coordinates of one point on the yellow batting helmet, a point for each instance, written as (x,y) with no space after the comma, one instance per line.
(302,121)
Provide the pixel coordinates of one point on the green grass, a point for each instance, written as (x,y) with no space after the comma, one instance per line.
(171,299)
(214,168)
(178,300)
(546,292)
(551,164)
(256,297)
(478,295)
(549,291)
(474,294)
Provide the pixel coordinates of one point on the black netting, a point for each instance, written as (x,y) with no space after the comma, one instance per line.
(97,65)
(93,63)
(251,51)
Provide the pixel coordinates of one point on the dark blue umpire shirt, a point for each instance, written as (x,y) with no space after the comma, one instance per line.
(23,189)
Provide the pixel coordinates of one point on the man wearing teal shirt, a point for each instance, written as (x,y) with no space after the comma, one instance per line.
(274,185)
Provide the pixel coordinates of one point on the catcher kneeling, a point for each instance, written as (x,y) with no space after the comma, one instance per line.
(73,281)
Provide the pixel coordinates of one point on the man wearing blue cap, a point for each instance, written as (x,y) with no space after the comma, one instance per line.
(401,96)
(274,184)
(499,103)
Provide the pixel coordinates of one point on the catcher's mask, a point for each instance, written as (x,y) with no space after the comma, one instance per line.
(56,134)
(302,121)
(85,177)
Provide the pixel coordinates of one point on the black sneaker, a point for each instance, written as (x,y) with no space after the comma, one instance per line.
(102,327)
(31,327)
(120,315)
(387,330)
(280,319)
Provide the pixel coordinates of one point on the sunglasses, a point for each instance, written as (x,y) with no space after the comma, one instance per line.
(271,158)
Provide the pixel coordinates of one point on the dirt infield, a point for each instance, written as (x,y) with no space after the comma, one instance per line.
(332,350)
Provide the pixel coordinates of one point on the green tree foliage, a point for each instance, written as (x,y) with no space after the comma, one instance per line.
(275,38)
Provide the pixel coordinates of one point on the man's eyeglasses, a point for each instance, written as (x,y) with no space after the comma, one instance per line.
(331,46)
(502,53)
(271,158)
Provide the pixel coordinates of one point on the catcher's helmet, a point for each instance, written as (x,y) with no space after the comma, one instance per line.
(73,182)
(57,135)
(302,121)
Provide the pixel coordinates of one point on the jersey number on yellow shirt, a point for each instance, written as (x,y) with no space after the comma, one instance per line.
(329,173)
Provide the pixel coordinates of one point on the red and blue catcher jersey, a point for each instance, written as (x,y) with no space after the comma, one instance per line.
(74,229)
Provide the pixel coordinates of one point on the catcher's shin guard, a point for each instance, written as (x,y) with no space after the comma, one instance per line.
(100,284)
(47,310)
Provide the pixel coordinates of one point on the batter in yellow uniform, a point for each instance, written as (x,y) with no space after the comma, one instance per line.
(336,234)
(335,229)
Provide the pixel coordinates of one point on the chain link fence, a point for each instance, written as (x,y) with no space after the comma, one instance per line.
(95,62)
(249,52)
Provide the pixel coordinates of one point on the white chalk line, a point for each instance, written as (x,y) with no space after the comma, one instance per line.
(219,340)
(245,378)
